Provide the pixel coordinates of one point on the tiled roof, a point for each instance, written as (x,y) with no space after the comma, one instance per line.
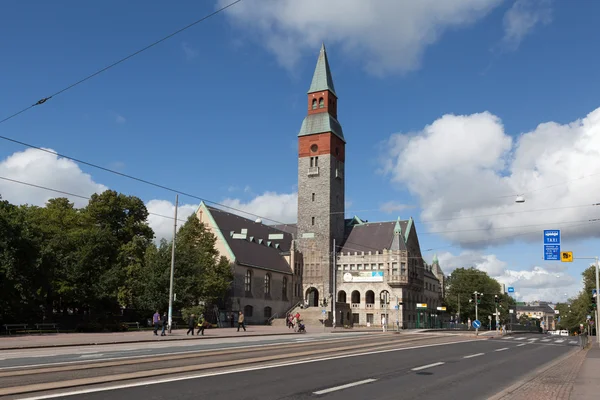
(321,123)
(256,249)
(322,79)
(371,236)
(289,228)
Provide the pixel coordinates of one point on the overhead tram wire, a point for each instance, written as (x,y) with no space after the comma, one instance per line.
(578,223)
(114,64)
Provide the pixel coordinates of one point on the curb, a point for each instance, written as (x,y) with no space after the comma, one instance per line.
(51,346)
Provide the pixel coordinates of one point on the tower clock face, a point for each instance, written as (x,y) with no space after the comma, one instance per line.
(314,148)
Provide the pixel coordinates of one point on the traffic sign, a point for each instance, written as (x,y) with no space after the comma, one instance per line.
(395,307)
(511,289)
(593,292)
(324,312)
(551,236)
(552,252)
(566,256)
(476,324)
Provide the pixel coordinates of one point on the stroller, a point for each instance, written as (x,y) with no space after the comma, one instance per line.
(301,327)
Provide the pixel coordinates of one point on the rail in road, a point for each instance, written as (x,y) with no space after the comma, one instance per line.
(26,380)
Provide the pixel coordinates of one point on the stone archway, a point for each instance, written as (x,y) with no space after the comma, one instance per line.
(312,297)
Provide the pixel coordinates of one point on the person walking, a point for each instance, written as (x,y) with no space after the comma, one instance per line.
(241,323)
(383,323)
(165,322)
(191,322)
(156,321)
(201,324)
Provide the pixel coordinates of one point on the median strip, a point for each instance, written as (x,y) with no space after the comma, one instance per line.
(346,386)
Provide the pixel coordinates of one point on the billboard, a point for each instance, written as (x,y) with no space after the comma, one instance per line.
(364,276)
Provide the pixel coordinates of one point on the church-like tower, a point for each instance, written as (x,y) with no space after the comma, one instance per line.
(321,157)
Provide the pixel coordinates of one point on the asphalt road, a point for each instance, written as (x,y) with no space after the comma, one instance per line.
(10,359)
(474,370)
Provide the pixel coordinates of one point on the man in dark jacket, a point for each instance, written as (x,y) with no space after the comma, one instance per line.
(165,322)
(191,322)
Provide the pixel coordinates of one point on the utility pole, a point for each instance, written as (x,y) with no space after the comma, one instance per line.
(476,313)
(334,297)
(496,299)
(172,265)
(397,314)
(597,296)
(459,321)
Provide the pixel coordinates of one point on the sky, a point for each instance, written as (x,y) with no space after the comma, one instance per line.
(450,110)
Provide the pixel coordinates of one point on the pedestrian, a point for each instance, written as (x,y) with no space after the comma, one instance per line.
(201,322)
(383,321)
(241,322)
(156,321)
(165,322)
(191,322)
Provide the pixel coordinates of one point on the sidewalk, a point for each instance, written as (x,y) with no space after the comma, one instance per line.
(81,339)
(587,383)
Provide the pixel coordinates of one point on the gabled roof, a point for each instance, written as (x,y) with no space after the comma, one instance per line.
(373,236)
(321,123)
(253,247)
(289,228)
(322,79)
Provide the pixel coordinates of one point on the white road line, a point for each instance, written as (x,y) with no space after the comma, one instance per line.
(559,341)
(502,349)
(533,339)
(346,386)
(522,344)
(235,371)
(91,355)
(508,337)
(545,340)
(427,366)
(474,355)
(520,338)
(573,342)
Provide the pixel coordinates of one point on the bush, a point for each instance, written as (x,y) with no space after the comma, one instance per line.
(196,310)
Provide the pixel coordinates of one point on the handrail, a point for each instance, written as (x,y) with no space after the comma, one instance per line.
(270,320)
(294,306)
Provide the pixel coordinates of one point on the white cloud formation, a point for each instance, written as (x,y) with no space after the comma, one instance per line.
(394,206)
(119,119)
(163,212)
(522,18)
(537,283)
(272,207)
(466,171)
(389,35)
(190,52)
(47,170)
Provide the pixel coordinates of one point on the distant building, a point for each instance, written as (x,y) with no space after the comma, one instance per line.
(539,310)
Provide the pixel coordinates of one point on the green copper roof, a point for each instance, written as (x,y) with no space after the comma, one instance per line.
(397,227)
(435,259)
(322,77)
(321,123)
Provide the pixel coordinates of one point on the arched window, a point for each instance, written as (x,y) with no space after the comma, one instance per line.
(248,311)
(321,103)
(268,284)
(248,281)
(267,312)
(341,296)
(284,289)
(314,104)
(355,297)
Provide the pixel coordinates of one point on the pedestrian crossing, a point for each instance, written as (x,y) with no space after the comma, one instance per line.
(559,340)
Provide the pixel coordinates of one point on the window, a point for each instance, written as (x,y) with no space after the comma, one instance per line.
(267,312)
(314,104)
(268,284)
(321,103)
(248,281)
(284,289)
(248,311)
(313,197)
(316,161)
(313,220)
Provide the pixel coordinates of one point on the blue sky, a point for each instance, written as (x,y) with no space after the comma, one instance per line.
(215,110)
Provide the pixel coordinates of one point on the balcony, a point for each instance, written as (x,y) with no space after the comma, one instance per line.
(370,305)
(355,305)
(313,171)
(397,280)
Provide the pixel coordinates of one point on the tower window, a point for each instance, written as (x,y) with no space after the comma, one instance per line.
(314,104)
(313,197)
(314,148)
(313,220)
(316,161)
(321,103)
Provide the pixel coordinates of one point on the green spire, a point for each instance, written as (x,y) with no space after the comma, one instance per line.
(322,77)
(435,259)
(398,228)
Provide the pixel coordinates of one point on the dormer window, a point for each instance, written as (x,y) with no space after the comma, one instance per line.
(321,103)
(314,104)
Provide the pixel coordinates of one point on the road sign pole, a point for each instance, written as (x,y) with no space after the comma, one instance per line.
(597,296)
(476,315)
(397,314)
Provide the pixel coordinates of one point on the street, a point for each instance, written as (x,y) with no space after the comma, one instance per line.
(417,366)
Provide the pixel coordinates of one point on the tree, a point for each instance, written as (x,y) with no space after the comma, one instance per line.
(461,284)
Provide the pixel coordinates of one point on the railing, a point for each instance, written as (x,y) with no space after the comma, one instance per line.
(370,305)
(270,320)
(355,305)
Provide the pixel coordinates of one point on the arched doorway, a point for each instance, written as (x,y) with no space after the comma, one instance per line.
(341,296)
(312,297)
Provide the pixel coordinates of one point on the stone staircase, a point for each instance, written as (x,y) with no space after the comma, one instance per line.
(311,316)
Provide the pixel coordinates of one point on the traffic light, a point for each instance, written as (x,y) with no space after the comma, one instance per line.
(594,301)
(496,299)
(479,298)
(472,298)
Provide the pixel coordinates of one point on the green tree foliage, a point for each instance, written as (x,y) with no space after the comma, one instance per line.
(460,286)
(575,312)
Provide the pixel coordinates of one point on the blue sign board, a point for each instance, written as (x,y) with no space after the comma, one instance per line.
(511,289)
(593,292)
(476,324)
(552,236)
(324,312)
(552,252)
(395,307)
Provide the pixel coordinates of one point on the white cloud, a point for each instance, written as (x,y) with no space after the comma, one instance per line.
(465,171)
(394,206)
(272,207)
(119,119)
(522,18)
(47,170)
(163,212)
(190,52)
(537,283)
(389,35)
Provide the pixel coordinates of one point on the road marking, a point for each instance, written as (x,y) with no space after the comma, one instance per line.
(502,349)
(520,338)
(545,340)
(522,344)
(573,342)
(559,341)
(346,386)
(532,339)
(91,355)
(427,366)
(508,337)
(474,355)
(235,371)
